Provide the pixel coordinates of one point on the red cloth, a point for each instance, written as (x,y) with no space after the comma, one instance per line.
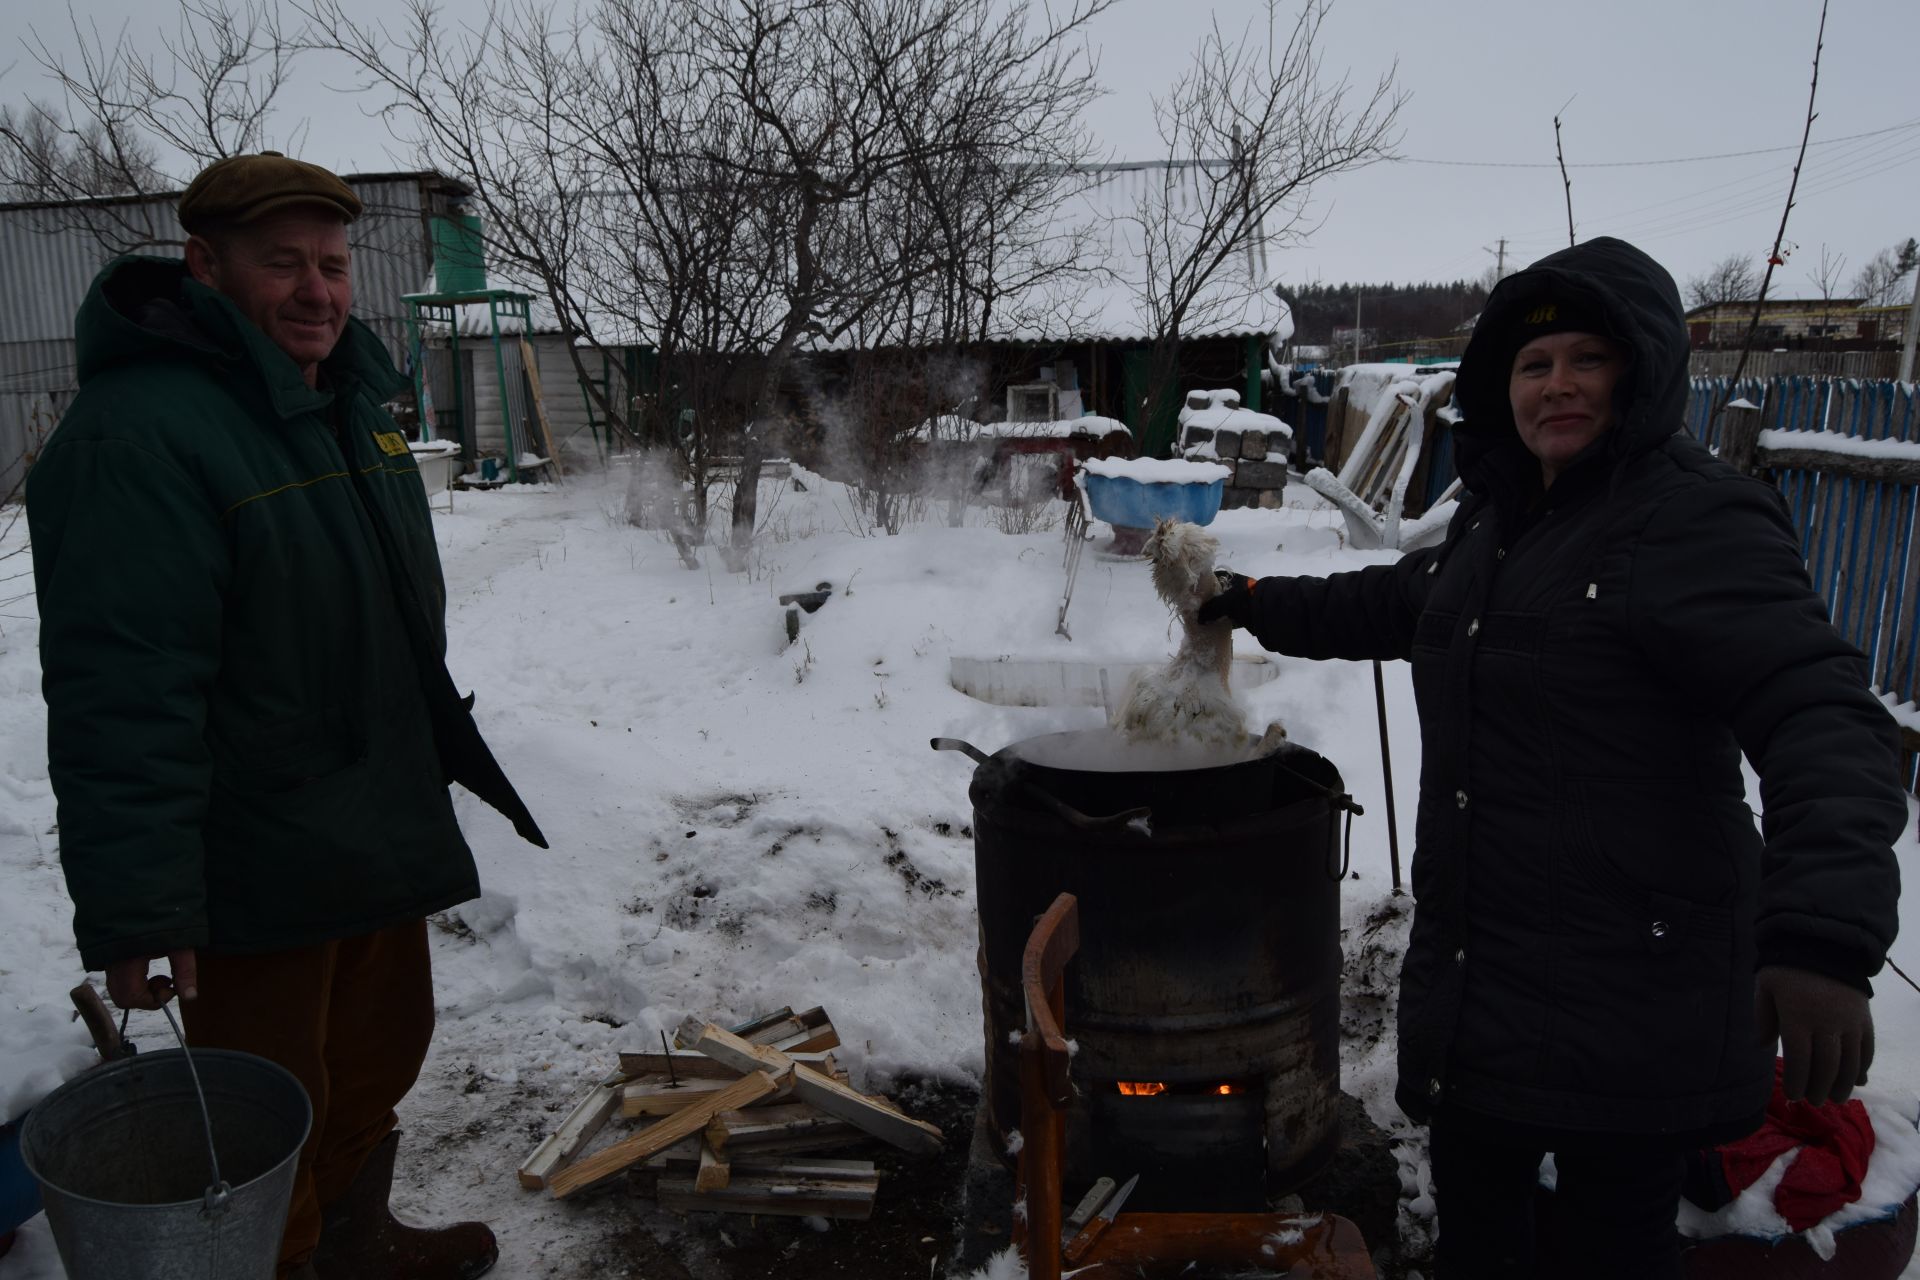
(1836,1143)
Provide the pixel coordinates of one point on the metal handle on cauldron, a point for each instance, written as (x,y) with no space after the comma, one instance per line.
(1059,808)
(1336,801)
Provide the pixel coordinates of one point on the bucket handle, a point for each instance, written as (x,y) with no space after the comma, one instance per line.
(218,1193)
(1141,818)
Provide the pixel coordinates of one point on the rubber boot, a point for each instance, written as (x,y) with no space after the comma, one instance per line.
(360,1239)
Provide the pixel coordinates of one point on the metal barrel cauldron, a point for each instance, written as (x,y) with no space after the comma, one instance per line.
(1209,957)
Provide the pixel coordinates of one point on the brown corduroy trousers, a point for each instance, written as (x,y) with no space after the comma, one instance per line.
(351,1020)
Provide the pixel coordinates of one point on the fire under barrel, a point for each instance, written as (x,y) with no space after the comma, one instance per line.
(1204,1001)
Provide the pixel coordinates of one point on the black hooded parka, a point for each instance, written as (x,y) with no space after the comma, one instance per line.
(1590,662)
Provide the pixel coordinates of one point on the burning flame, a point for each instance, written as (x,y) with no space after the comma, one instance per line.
(1154,1088)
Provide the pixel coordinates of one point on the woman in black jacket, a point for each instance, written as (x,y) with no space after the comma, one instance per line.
(1604,947)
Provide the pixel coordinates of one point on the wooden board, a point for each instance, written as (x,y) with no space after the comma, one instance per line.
(691,1064)
(532,367)
(1259,1243)
(877,1118)
(808,1032)
(588,1116)
(714,1173)
(654,1096)
(658,1137)
(784,1127)
(820,1188)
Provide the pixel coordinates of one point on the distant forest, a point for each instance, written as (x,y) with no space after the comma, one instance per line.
(1392,316)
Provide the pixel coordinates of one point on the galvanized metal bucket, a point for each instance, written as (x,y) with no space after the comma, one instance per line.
(151,1174)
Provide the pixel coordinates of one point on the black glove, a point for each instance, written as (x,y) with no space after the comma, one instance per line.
(1234,602)
(1825,1030)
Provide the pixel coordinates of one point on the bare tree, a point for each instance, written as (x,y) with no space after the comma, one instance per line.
(1881,278)
(1248,129)
(141,120)
(1826,280)
(1777,257)
(735,182)
(1732,279)
(43,157)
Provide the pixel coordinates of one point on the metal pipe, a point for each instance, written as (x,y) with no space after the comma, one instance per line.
(1386,769)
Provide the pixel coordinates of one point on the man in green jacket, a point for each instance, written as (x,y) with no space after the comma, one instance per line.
(250,723)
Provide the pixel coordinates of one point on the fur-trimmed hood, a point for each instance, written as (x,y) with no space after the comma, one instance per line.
(1642,311)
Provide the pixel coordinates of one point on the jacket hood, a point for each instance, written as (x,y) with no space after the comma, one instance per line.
(147,308)
(1640,308)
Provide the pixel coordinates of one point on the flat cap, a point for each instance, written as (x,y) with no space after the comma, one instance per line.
(242,188)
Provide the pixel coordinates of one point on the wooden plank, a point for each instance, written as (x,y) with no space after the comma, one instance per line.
(714,1172)
(809,1032)
(783,1127)
(1889,470)
(824,1092)
(691,1064)
(829,1188)
(658,1137)
(818,1167)
(651,1098)
(690,1027)
(539,402)
(587,1118)
(1325,1245)
(1333,444)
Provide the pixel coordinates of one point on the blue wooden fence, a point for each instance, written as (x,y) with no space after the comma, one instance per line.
(1857,531)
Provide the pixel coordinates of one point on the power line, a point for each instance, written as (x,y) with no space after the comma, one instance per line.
(1637,164)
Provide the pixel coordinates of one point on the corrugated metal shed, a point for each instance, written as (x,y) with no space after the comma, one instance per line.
(52,252)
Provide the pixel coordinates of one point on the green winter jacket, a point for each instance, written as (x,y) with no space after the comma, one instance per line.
(250,727)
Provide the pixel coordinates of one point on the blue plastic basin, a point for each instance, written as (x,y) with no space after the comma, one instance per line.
(19,1193)
(1135,504)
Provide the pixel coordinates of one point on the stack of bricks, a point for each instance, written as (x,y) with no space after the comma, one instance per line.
(1254,445)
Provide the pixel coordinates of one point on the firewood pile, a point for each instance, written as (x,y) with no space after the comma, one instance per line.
(733,1122)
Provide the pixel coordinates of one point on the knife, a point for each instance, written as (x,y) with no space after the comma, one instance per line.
(1097,1195)
(1080,1244)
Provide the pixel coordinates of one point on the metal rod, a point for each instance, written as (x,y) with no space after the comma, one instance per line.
(1386,769)
(673,1077)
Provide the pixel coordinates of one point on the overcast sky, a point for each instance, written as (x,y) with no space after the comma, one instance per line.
(1651,80)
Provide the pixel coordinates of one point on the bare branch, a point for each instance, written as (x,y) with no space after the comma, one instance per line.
(1777,258)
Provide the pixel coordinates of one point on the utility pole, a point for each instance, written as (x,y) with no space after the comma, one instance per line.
(1913,330)
(1357,295)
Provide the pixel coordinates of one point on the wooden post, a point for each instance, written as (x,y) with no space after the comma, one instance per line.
(1334,449)
(1740,437)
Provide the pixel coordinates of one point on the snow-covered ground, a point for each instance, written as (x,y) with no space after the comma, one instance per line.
(736,823)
